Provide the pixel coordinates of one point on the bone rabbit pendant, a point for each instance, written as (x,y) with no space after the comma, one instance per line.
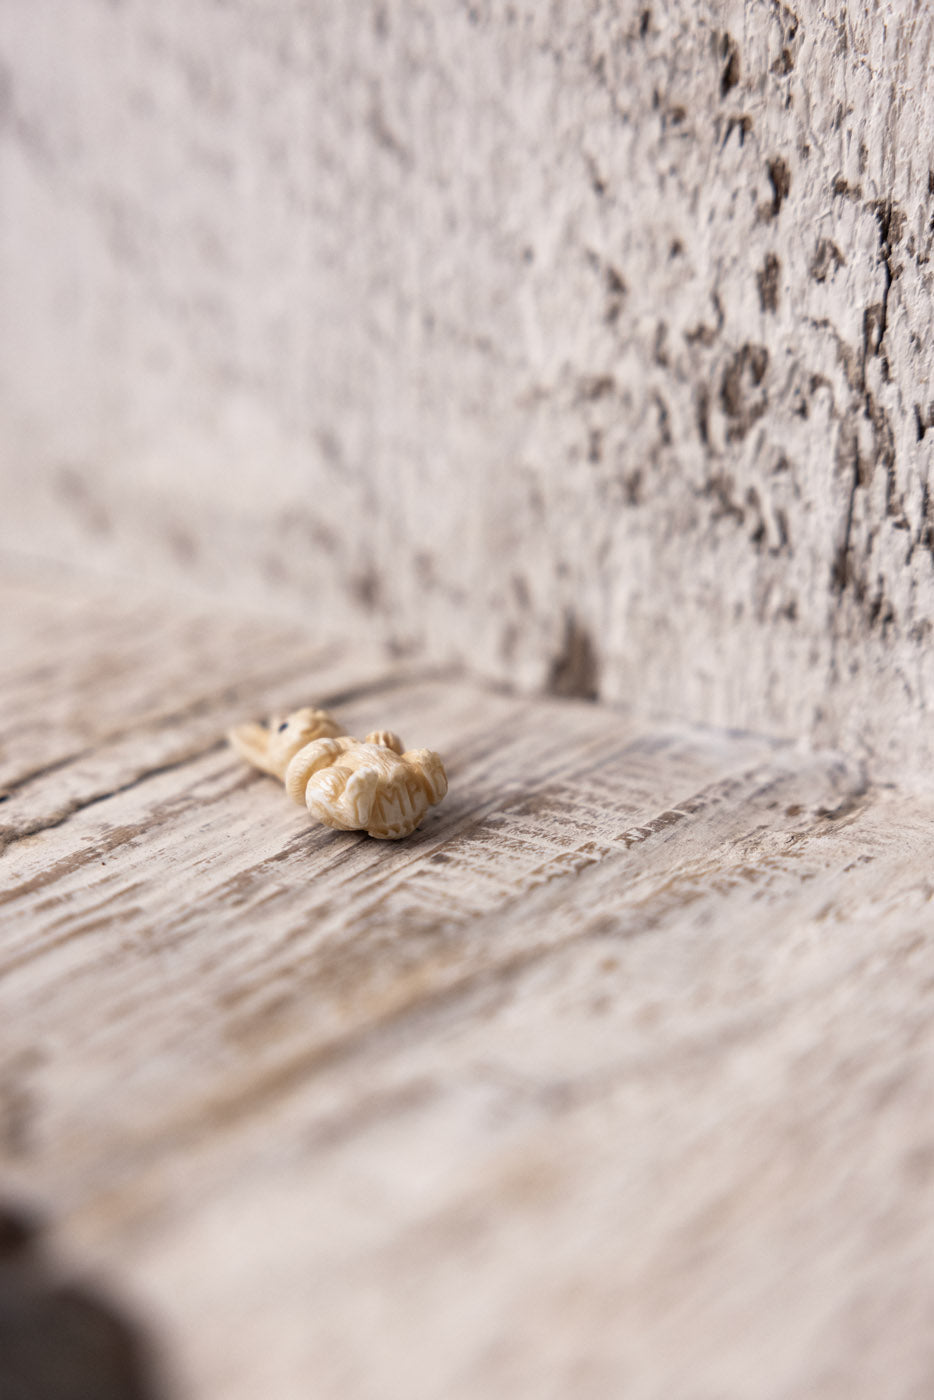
(350,784)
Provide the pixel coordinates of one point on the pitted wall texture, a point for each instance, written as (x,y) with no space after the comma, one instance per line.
(588,344)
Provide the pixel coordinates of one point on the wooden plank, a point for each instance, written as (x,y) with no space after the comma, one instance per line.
(588,345)
(615,1075)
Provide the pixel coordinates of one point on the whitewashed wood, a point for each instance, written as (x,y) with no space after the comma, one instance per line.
(587,344)
(615,1078)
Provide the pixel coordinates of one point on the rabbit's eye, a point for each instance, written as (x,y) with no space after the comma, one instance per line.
(283,725)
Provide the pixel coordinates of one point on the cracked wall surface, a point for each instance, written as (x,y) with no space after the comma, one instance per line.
(588,344)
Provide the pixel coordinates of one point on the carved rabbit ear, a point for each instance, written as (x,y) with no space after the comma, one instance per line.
(312,723)
(251,741)
(386,739)
(320,753)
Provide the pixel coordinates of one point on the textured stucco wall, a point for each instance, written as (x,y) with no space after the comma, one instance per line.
(590,343)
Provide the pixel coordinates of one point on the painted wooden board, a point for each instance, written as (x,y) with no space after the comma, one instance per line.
(616,1078)
(583,344)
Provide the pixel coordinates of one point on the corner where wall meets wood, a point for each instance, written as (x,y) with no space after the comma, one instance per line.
(587,345)
(614,1079)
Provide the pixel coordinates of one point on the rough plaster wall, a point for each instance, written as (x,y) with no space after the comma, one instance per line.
(588,342)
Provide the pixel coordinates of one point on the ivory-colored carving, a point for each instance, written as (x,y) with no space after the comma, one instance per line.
(371,785)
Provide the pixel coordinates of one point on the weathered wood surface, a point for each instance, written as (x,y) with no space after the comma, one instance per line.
(615,1079)
(589,344)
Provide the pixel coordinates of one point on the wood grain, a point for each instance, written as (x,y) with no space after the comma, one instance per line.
(615,1078)
(589,345)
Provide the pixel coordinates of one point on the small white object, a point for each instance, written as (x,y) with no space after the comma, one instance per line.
(370,785)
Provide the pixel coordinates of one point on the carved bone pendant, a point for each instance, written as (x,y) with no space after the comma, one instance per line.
(371,785)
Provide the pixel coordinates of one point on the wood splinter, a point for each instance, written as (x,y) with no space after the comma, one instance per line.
(370,785)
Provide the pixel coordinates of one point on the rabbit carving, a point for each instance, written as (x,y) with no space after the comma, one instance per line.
(371,785)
